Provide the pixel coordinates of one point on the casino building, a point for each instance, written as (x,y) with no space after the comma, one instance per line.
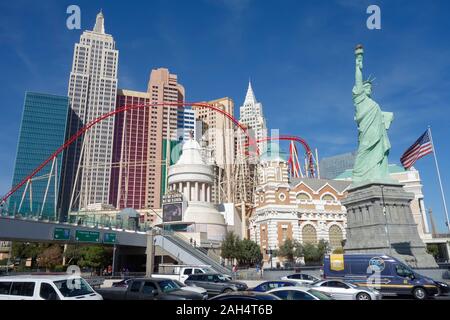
(302,209)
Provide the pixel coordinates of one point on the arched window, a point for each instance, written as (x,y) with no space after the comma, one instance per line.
(336,236)
(303,196)
(309,234)
(328,197)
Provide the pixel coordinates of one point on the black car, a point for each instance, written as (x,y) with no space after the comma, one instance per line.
(215,283)
(246,295)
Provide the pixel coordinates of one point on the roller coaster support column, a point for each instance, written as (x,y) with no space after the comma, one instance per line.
(243,224)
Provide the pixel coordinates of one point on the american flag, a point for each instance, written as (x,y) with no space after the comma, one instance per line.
(419,149)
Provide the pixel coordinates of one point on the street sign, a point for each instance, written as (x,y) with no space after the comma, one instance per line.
(109,238)
(87,236)
(61,234)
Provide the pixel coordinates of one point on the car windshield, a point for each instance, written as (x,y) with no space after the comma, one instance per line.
(73,287)
(319,295)
(180,284)
(168,286)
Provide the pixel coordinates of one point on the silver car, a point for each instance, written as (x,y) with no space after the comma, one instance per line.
(341,290)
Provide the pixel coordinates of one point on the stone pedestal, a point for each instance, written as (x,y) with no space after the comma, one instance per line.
(379,220)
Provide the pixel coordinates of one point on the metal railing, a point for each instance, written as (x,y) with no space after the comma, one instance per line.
(196,252)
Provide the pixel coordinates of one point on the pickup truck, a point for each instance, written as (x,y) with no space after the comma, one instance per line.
(181,273)
(149,289)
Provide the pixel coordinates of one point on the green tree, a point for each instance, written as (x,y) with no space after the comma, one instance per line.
(229,248)
(314,253)
(25,250)
(290,250)
(248,252)
(95,257)
(433,249)
(50,257)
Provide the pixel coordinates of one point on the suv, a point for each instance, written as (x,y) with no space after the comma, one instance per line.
(215,283)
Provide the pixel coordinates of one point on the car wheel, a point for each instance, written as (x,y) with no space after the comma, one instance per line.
(419,293)
(228,290)
(363,296)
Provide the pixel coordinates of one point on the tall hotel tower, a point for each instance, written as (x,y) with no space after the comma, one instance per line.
(251,115)
(163,88)
(92,92)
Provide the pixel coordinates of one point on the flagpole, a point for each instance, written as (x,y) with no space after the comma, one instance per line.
(439,178)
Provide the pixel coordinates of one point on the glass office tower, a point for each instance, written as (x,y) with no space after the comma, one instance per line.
(42,131)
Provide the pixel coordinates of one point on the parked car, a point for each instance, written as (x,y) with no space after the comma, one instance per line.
(149,289)
(269,285)
(297,293)
(46,287)
(200,290)
(443,288)
(244,295)
(215,283)
(340,290)
(180,273)
(301,278)
(396,278)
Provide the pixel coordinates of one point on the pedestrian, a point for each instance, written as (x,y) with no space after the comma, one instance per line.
(191,241)
(195,244)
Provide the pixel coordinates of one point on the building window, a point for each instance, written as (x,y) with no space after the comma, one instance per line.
(336,236)
(328,197)
(282,196)
(303,197)
(309,234)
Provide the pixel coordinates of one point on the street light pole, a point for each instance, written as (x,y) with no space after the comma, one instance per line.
(385,220)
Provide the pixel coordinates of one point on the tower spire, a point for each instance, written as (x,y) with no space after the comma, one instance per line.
(250,97)
(100,23)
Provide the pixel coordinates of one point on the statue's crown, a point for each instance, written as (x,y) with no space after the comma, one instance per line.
(370,80)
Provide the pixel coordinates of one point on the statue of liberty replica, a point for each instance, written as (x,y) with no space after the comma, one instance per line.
(371,163)
(379,216)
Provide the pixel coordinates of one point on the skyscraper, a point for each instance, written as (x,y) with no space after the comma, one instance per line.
(218,142)
(163,87)
(251,115)
(42,131)
(186,124)
(332,167)
(129,178)
(92,92)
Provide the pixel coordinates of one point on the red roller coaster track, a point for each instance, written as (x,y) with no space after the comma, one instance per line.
(141,106)
(305,145)
(112,113)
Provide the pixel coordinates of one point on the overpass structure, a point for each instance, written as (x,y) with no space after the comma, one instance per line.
(127,243)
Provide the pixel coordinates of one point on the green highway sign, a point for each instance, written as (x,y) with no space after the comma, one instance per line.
(61,234)
(109,238)
(87,236)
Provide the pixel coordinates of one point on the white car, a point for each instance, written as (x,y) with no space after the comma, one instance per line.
(341,290)
(46,287)
(297,293)
(301,278)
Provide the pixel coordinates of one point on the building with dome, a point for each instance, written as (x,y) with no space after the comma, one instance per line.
(302,209)
(193,178)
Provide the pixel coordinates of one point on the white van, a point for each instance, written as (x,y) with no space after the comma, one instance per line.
(46,287)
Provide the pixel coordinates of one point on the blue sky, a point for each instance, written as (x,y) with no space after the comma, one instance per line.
(299,55)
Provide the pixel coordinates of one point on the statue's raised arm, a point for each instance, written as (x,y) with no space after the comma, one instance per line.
(359,54)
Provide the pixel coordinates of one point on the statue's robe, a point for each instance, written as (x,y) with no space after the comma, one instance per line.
(372,158)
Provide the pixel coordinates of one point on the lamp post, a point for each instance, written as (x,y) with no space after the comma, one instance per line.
(385,220)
